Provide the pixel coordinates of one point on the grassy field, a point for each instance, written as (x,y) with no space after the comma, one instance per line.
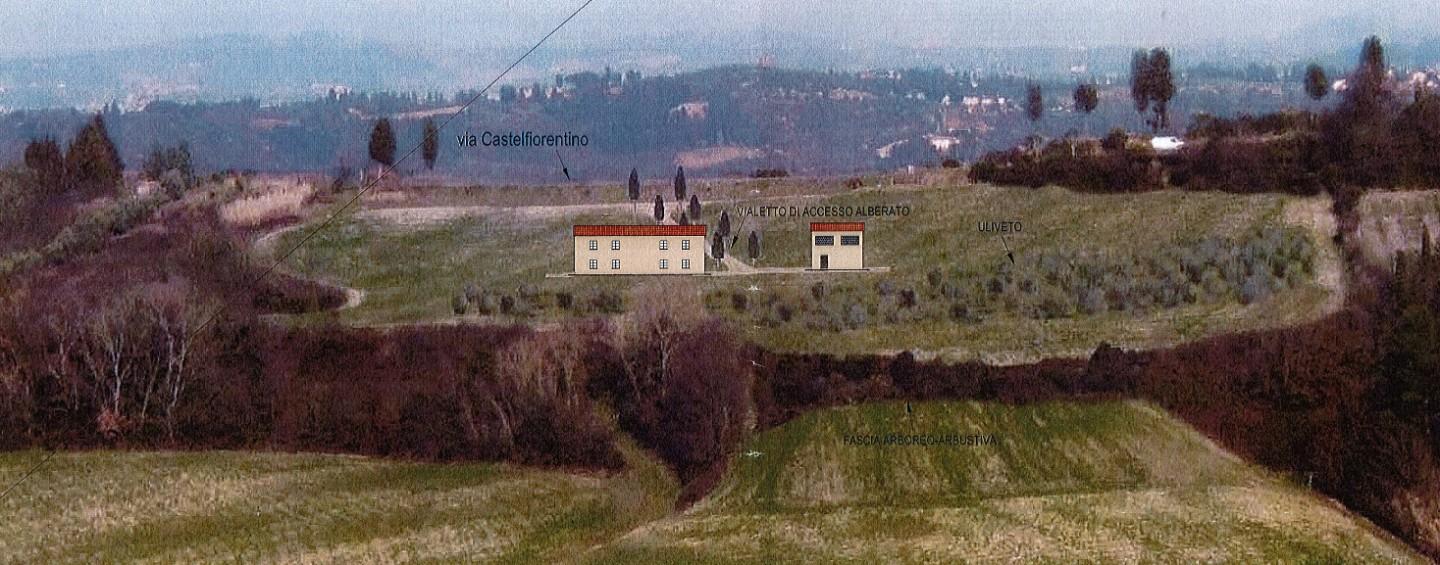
(1052,483)
(411,263)
(1061,483)
(109,507)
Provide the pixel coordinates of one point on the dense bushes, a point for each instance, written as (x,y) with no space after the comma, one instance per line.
(1086,168)
(529,301)
(451,392)
(136,372)
(1063,284)
(679,382)
(1292,164)
(112,349)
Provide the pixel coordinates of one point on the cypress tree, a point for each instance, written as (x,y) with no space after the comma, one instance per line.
(633,189)
(430,147)
(43,156)
(382,143)
(91,162)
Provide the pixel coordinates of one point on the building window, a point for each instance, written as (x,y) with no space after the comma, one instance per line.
(849,240)
(824,240)
(614,245)
(684,245)
(685,263)
(615,264)
(664,264)
(594,245)
(594,263)
(664,245)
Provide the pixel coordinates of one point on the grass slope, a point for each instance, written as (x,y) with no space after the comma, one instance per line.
(1062,483)
(113,507)
(410,269)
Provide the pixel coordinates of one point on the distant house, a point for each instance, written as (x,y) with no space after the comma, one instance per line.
(1166,144)
(837,246)
(942,143)
(692,110)
(639,249)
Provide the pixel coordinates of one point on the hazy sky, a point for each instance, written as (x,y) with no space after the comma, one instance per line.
(57,26)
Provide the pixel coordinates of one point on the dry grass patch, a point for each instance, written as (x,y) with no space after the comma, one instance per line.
(1395,221)
(267,202)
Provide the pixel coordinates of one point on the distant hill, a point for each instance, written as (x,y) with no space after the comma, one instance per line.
(299,67)
(226,67)
(739,118)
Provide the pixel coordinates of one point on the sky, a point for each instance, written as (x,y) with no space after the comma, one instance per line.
(67,26)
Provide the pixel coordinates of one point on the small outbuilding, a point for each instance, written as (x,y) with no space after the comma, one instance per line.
(837,246)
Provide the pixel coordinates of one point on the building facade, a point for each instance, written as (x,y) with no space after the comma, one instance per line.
(837,246)
(639,250)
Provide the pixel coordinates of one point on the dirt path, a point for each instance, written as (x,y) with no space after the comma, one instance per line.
(421,216)
(1314,215)
(265,246)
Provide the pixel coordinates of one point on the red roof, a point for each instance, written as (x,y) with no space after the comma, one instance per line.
(837,226)
(609,230)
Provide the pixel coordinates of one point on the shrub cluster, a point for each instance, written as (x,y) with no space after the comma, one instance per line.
(1081,166)
(529,300)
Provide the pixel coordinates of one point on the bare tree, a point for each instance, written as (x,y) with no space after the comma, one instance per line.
(664,310)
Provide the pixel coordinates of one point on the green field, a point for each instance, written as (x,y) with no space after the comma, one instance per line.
(1058,483)
(411,270)
(1062,483)
(109,507)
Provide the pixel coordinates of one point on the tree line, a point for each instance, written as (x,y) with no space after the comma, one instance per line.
(90,164)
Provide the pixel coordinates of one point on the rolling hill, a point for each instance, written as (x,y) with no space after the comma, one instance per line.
(1059,483)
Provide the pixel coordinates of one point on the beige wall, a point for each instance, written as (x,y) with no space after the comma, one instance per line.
(841,256)
(639,255)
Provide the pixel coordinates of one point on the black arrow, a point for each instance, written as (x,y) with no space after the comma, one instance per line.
(1007,249)
(563,168)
